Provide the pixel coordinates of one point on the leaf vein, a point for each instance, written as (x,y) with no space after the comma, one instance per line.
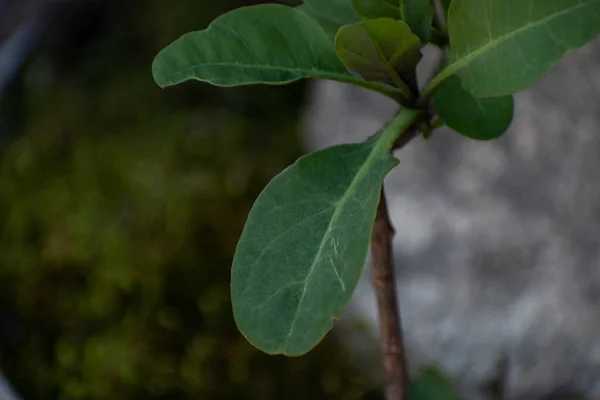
(284,233)
(340,205)
(464,60)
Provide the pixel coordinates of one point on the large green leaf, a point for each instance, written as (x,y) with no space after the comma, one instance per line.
(305,242)
(418,14)
(477,118)
(381,49)
(268,43)
(260,44)
(500,47)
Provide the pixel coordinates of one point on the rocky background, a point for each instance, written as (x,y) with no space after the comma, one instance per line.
(497,247)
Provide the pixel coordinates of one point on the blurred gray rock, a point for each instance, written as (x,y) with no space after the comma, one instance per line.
(6,390)
(498,243)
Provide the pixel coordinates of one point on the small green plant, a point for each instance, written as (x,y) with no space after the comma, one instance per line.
(306,239)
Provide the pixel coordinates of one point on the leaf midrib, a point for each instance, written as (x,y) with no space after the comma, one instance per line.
(360,174)
(269,67)
(466,59)
(386,90)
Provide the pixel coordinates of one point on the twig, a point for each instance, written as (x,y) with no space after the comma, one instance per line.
(384,281)
(392,347)
(411,133)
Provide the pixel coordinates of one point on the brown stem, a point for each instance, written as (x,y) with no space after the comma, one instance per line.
(384,282)
(397,381)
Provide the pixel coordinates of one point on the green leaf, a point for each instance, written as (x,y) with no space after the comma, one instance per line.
(477,118)
(330,26)
(500,47)
(418,14)
(305,242)
(371,9)
(268,43)
(259,44)
(380,50)
(331,14)
(430,384)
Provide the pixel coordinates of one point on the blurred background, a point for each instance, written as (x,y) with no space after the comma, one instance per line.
(121,205)
(120,208)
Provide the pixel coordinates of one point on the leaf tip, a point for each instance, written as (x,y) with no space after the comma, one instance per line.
(158,67)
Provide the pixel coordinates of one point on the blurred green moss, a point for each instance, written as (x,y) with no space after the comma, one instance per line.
(120,208)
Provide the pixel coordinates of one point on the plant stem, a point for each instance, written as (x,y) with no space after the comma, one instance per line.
(384,281)
(408,135)
(402,95)
(437,80)
(397,382)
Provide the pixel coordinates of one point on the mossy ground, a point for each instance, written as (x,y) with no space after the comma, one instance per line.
(120,208)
